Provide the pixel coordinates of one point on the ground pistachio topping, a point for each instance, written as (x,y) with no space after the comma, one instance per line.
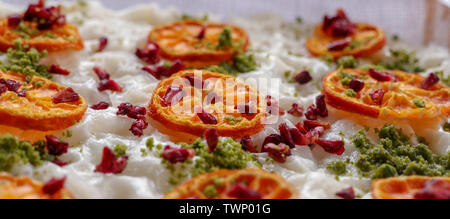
(225,39)
(25,61)
(402,60)
(347,62)
(120,150)
(13,151)
(242,63)
(395,155)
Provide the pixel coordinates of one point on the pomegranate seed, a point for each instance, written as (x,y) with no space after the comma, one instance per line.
(103,41)
(334,147)
(194,81)
(3,88)
(109,85)
(46,17)
(246,109)
(206,117)
(14,20)
(201,34)
(380,76)
(434,189)
(11,84)
(138,126)
(272,138)
(339,45)
(356,84)
(60,162)
(321,106)
(176,66)
(175,155)
(377,96)
(339,25)
(54,185)
(212,138)
(65,96)
(101,73)
(124,108)
(110,163)
(56,69)
(247,145)
(151,53)
(278,152)
(22,93)
(428,82)
(347,193)
(55,146)
(286,135)
(173,96)
(296,110)
(301,128)
(212,98)
(303,77)
(309,125)
(157,71)
(312,112)
(100,106)
(135,111)
(314,134)
(299,137)
(241,191)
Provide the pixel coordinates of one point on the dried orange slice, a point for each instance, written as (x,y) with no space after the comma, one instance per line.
(37,109)
(400,100)
(56,39)
(366,40)
(25,188)
(409,187)
(194,42)
(237,184)
(193,100)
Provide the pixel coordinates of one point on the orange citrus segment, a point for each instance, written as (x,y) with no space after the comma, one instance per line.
(62,37)
(398,99)
(403,187)
(37,110)
(265,185)
(227,109)
(180,40)
(25,188)
(367,39)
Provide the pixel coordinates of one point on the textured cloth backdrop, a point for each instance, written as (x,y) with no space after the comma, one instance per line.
(416,21)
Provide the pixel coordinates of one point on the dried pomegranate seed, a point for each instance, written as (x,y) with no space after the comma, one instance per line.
(175,155)
(55,146)
(286,135)
(150,54)
(434,189)
(176,66)
(347,193)
(272,138)
(212,138)
(314,134)
(65,96)
(110,163)
(100,106)
(303,77)
(380,76)
(14,20)
(247,145)
(60,162)
(101,73)
(296,110)
(124,108)
(22,93)
(300,127)
(377,96)
(54,185)
(138,126)
(247,109)
(194,81)
(339,45)
(312,112)
(273,108)
(309,125)
(338,25)
(135,111)
(321,106)
(109,85)
(46,17)
(278,152)
(103,41)
(356,84)
(206,117)
(156,71)
(241,191)
(173,96)
(11,84)
(3,88)
(334,147)
(56,69)
(428,82)
(212,98)
(299,137)
(201,34)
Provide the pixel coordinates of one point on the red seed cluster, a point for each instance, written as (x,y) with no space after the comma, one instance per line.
(67,95)
(377,96)
(380,76)
(205,117)
(100,106)
(14,20)
(110,163)
(278,152)
(11,84)
(54,185)
(164,71)
(105,82)
(175,155)
(173,96)
(339,45)
(347,193)
(137,113)
(356,84)
(247,145)
(428,82)
(318,109)
(46,17)
(339,25)
(56,69)
(241,191)
(296,110)
(55,146)
(150,54)
(303,77)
